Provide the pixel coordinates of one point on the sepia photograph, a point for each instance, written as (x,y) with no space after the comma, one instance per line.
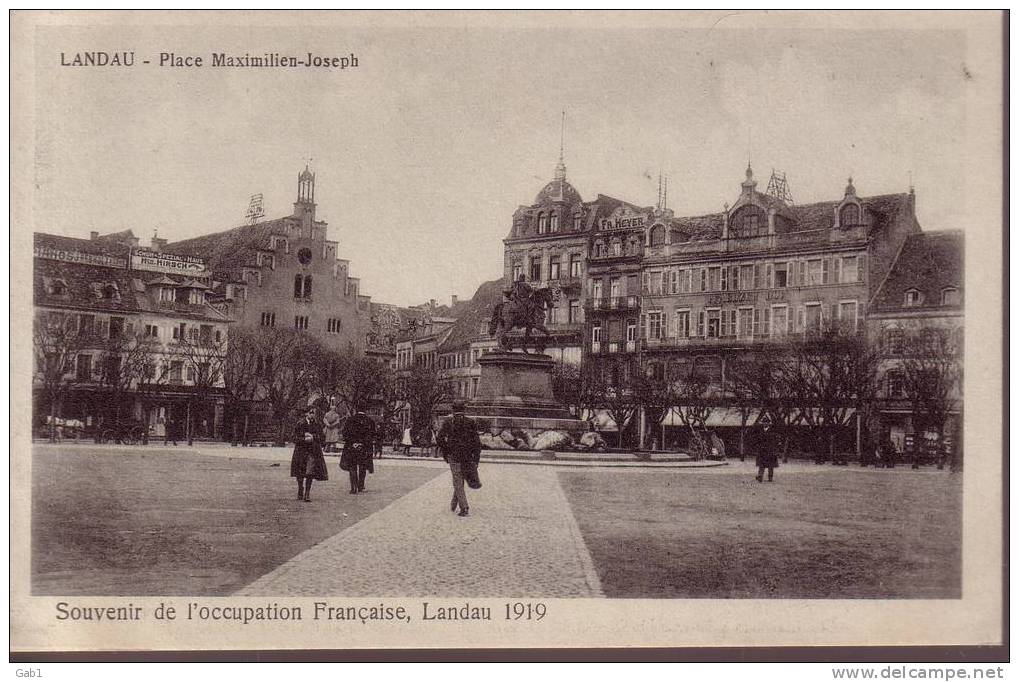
(506,329)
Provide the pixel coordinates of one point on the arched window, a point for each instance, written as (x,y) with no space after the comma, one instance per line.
(298,285)
(657,236)
(307,286)
(748,221)
(542,223)
(849,215)
(553,222)
(576,222)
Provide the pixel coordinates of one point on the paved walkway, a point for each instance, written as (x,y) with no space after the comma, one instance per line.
(520,540)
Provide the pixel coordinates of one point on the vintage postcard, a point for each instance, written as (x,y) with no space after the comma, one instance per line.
(506,330)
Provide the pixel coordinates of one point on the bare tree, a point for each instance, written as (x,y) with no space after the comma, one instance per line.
(241,379)
(832,372)
(424,392)
(655,392)
(759,380)
(691,394)
(392,397)
(56,342)
(568,386)
(290,362)
(931,373)
(611,387)
(125,360)
(203,357)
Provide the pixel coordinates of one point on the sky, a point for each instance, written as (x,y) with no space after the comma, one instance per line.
(423,152)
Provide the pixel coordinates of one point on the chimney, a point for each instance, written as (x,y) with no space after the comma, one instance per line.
(431,303)
(93,235)
(454,300)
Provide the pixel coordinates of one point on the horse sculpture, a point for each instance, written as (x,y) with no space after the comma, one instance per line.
(528,315)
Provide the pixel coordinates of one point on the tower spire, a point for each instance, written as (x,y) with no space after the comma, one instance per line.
(560,169)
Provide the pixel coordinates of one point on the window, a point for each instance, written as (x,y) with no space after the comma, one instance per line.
(83,368)
(176,370)
(596,293)
(950,296)
(518,270)
(657,236)
(596,333)
(166,294)
(814,272)
(631,330)
(190,373)
(553,222)
(814,316)
(574,311)
(781,275)
(278,242)
(542,223)
(304,255)
(655,283)
(333,325)
(896,384)
(151,331)
(847,314)
(576,222)
(553,267)
(682,323)
(536,269)
(849,215)
(218,336)
(893,341)
(655,325)
(779,320)
(116,327)
(728,323)
(575,265)
(714,279)
(850,270)
(614,287)
(552,315)
(268,320)
(267,259)
(745,324)
(714,328)
(300,321)
(617,248)
(205,333)
(913,298)
(746,277)
(86,324)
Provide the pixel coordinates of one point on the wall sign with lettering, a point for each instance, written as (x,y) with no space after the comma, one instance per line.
(70,256)
(167,262)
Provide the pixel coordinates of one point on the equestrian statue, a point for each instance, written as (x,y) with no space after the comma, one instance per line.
(523,307)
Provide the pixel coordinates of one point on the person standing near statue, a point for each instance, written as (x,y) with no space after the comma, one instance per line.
(307,463)
(358,446)
(458,440)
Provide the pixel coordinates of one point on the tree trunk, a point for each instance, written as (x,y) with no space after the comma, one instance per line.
(742,451)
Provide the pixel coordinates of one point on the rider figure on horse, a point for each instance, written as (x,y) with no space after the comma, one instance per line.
(520,292)
(524,308)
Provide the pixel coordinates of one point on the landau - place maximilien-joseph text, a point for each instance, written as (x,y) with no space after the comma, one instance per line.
(266,60)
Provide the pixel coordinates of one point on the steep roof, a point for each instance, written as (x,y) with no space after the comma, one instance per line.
(471,315)
(928,262)
(102,247)
(233,248)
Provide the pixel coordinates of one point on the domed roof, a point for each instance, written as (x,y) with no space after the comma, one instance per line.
(558,190)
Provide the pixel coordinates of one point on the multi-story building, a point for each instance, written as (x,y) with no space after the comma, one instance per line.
(922,296)
(144,335)
(715,286)
(546,246)
(467,341)
(286,272)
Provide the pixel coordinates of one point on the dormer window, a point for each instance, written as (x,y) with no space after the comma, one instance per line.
(912,298)
(278,242)
(110,292)
(576,222)
(542,223)
(55,287)
(849,215)
(553,222)
(166,294)
(657,237)
(950,296)
(267,259)
(748,221)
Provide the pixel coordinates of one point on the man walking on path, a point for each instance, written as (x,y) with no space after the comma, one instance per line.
(458,440)
(358,447)
(307,463)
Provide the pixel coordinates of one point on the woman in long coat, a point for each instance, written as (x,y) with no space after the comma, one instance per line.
(307,463)
(331,428)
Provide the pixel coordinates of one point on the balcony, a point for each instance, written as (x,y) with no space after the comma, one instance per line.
(615,303)
(673,342)
(598,347)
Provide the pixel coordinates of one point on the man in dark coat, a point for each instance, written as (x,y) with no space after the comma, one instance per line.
(308,464)
(358,446)
(767,458)
(458,440)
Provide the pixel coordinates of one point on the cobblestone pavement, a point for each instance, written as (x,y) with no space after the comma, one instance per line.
(520,540)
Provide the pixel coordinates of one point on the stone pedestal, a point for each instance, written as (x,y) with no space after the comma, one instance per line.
(515,395)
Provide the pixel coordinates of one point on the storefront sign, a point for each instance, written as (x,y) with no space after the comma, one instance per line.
(69,256)
(621,221)
(775,295)
(732,297)
(167,262)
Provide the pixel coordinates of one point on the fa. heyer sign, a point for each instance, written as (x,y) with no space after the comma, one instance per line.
(167,262)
